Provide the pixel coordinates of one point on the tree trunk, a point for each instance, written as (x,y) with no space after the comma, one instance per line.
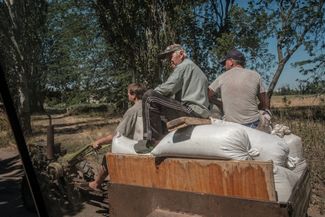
(23,105)
(275,79)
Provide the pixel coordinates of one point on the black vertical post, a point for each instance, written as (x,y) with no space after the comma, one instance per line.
(22,147)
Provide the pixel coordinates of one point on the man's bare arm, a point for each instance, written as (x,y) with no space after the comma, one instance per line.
(264,101)
(214,100)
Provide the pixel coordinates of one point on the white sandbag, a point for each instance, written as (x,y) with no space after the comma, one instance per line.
(280,130)
(284,180)
(123,145)
(300,168)
(206,141)
(295,145)
(269,146)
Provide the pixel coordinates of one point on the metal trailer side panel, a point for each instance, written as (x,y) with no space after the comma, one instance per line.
(143,187)
(136,201)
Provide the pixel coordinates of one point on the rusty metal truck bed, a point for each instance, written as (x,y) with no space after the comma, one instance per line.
(145,186)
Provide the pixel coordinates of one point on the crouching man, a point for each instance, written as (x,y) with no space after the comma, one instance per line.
(187,84)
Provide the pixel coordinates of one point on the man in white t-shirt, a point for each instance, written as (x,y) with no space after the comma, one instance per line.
(242,91)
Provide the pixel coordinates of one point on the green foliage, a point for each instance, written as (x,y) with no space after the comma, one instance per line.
(94,49)
(314,86)
(21,29)
(248,33)
(138,32)
(87,108)
(74,54)
(294,25)
(314,71)
(286,90)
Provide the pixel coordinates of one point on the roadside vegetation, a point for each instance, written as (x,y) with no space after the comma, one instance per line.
(62,57)
(311,129)
(82,126)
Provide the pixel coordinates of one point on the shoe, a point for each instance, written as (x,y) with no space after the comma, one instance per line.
(142,147)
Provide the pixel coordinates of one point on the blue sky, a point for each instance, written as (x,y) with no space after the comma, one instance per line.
(289,74)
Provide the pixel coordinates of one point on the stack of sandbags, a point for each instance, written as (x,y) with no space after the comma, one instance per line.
(269,146)
(286,154)
(294,143)
(206,141)
(295,147)
(296,152)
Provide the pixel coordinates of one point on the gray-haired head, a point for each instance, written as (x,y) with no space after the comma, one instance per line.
(170,49)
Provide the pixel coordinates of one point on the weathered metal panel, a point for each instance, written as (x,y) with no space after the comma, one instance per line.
(144,186)
(167,213)
(136,201)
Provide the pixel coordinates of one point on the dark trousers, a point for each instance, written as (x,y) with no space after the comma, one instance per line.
(155,108)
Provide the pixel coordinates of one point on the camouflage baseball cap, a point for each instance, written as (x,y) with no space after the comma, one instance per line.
(168,50)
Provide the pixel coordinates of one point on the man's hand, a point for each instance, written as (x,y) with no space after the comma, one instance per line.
(96,145)
(265,121)
(104,140)
(267,114)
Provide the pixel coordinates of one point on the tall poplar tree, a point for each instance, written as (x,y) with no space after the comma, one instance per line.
(21,25)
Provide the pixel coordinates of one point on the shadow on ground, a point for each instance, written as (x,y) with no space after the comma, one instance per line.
(11,171)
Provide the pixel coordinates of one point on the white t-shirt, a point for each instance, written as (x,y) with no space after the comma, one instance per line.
(239,88)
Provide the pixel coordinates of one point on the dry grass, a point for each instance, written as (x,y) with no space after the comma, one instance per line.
(297,101)
(73,132)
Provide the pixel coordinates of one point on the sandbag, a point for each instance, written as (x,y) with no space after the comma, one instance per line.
(206,141)
(123,145)
(269,146)
(300,168)
(284,180)
(280,130)
(295,146)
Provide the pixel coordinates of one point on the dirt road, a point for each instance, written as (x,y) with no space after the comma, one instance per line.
(11,204)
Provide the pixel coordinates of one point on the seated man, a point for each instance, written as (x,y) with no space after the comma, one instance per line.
(187,83)
(240,88)
(127,127)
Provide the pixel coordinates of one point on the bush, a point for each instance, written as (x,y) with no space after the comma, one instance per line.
(89,108)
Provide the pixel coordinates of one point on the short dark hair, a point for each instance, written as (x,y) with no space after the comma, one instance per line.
(239,62)
(136,89)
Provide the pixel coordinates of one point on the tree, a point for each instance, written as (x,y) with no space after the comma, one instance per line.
(247,31)
(74,59)
(20,36)
(138,30)
(314,66)
(294,24)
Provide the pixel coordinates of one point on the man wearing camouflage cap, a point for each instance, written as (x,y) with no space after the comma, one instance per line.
(187,83)
(239,89)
